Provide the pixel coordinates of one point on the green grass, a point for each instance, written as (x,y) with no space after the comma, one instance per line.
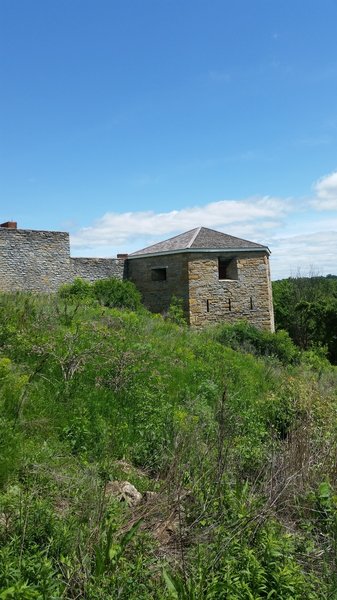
(232,429)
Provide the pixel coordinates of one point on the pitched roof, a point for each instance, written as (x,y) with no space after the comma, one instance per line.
(200,238)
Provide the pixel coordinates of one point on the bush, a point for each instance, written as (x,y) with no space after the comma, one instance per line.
(243,336)
(175,312)
(116,293)
(78,290)
(112,293)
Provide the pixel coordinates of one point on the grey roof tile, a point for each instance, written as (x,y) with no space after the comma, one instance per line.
(200,238)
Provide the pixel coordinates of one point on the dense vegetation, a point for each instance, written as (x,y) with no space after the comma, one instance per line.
(229,435)
(306,307)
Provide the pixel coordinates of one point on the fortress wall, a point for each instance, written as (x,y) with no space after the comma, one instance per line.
(39,261)
(91,269)
(247,297)
(33,260)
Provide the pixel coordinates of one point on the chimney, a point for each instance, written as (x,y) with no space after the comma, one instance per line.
(122,256)
(9,225)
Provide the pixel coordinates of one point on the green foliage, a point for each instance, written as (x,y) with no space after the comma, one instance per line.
(246,337)
(116,293)
(108,292)
(79,290)
(236,437)
(306,307)
(110,551)
(175,312)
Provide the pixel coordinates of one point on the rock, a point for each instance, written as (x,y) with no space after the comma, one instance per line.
(124,491)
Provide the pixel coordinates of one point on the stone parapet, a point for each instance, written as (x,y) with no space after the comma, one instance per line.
(33,260)
(92,269)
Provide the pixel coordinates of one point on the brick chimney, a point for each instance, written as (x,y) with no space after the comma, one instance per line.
(9,225)
(122,256)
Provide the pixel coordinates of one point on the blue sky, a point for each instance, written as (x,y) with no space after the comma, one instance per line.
(128,121)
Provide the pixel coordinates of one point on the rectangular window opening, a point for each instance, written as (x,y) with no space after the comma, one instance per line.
(227,268)
(251,303)
(207,305)
(159,274)
(229,305)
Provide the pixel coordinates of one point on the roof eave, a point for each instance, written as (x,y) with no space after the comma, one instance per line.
(200,250)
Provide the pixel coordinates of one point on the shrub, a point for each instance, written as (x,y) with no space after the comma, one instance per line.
(78,290)
(243,336)
(175,312)
(112,293)
(116,293)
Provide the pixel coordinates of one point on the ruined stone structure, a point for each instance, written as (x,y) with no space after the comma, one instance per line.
(40,261)
(218,277)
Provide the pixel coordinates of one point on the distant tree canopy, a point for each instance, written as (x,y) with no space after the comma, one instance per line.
(306,307)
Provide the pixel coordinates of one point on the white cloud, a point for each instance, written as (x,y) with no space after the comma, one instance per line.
(290,227)
(314,253)
(326,193)
(247,217)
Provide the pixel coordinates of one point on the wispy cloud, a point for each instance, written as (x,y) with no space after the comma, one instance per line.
(292,227)
(313,253)
(253,215)
(326,193)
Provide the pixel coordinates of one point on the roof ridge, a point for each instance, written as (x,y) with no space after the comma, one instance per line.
(197,231)
(202,238)
(173,237)
(233,237)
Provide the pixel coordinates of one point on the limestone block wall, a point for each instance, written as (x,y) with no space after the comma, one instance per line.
(157,295)
(91,269)
(33,260)
(40,261)
(248,297)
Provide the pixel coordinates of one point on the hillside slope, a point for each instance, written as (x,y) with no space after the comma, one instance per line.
(229,437)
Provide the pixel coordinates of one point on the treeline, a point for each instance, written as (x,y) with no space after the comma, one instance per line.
(306,307)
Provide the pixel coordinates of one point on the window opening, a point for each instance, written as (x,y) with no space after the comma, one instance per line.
(159,274)
(223,265)
(227,268)
(207,305)
(251,303)
(229,304)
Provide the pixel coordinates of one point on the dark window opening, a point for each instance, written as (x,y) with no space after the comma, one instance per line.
(159,274)
(207,305)
(229,305)
(251,303)
(227,268)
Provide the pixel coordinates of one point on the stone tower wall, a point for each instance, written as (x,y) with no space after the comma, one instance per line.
(194,277)
(248,297)
(157,295)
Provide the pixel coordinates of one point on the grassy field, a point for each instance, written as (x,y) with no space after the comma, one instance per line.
(229,435)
